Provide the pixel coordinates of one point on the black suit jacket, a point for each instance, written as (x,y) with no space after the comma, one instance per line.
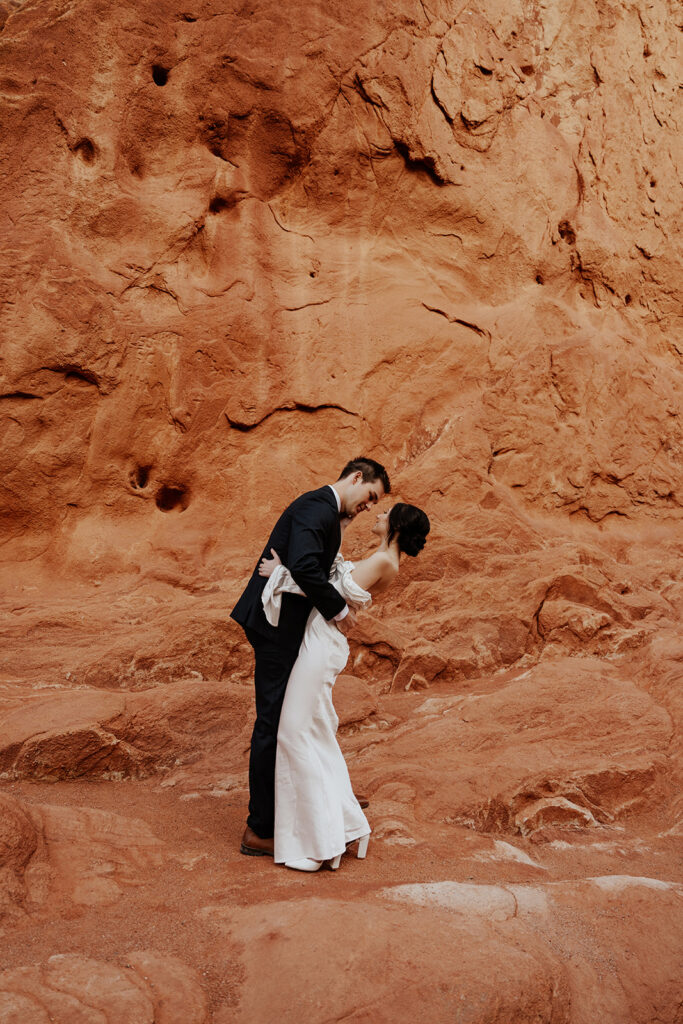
(307,537)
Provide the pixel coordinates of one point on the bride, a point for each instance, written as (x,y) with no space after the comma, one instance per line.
(316,813)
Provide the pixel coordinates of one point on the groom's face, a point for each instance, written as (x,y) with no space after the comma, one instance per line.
(361,495)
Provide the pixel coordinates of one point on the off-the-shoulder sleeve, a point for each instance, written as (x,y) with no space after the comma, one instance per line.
(280,582)
(350,590)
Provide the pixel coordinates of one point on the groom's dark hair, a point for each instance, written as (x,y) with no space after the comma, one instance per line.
(370,469)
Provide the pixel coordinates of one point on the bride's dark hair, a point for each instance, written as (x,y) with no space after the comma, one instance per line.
(412,526)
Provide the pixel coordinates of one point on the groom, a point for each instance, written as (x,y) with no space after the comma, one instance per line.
(307,537)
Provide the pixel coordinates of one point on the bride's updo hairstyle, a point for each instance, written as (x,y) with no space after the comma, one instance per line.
(411,525)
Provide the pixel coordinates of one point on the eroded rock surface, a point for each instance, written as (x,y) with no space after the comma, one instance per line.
(241,244)
(147,989)
(525,929)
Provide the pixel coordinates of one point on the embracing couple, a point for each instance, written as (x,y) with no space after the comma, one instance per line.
(300,601)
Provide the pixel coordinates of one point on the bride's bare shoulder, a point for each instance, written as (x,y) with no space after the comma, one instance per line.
(385,562)
(376,570)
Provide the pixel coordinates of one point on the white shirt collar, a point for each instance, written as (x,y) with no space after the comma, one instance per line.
(337,498)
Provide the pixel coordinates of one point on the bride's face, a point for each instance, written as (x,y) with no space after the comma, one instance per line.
(381,527)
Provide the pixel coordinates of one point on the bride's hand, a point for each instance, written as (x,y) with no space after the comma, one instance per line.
(267,566)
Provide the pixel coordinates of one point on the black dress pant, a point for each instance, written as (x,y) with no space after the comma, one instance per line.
(272,669)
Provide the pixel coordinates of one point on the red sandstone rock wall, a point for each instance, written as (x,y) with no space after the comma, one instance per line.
(242,242)
(240,245)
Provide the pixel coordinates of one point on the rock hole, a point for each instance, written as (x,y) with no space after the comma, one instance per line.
(647,52)
(336,171)
(85,148)
(653,182)
(627,300)
(485,71)
(311,273)
(566,232)
(159,74)
(170,498)
(539,278)
(527,69)
(139,478)
(188,17)
(218,203)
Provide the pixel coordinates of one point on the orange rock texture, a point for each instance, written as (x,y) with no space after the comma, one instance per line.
(243,243)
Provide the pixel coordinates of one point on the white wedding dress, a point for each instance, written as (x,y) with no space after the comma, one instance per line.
(316,813)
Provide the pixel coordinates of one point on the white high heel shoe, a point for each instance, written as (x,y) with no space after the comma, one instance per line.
(363,846)
(304,864)
(307,864)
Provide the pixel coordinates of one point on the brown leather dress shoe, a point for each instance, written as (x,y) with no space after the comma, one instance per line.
(363,800)
(253,846)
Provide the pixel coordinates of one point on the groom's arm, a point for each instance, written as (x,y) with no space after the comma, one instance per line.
(305,557)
